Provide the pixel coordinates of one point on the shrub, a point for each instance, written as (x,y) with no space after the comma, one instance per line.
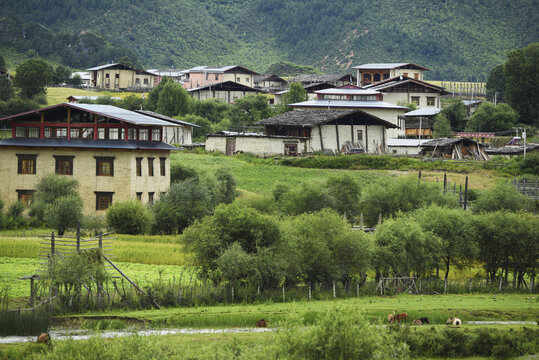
(63,213)
(530,164)
(502,197)
(129,217)
(179,172)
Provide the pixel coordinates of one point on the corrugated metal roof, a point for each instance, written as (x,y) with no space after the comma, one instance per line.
(348,104)
(80,97)
(406,142)
(102,67)
(120,114)
(344,91)
(383,66)
(88,144)
(427,111)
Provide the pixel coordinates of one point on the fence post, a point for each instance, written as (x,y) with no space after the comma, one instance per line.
(309,291)
(470,288)
(466,193)
(334,295)
(357,289)
(100,240)
(232,293)
(52,244)
(283,294)
(78,236)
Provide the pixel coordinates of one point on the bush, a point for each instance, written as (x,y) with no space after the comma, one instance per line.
(179,172)
(502,197)
(530,164)
(64,213)
(129,217)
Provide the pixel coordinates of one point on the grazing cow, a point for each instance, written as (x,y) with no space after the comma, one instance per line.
(262,323)
(390,317)
(44,338)
(424,320)
(417,322)
(399,317)
(454,321)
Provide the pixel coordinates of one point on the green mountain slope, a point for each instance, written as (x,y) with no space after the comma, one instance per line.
(457,39)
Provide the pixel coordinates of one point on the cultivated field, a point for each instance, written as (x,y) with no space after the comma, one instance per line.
(57,95)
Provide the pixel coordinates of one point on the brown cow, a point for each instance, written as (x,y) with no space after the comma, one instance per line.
(262,323)
(399,317)
(44,338)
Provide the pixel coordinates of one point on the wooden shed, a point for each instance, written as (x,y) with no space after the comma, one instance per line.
(455,148)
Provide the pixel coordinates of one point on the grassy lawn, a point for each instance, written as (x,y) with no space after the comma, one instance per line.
(436,307)
(57,95)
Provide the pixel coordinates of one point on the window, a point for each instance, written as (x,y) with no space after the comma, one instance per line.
(247,80)
(116,134)
(145,81)
(139,166)
(150,166)
(103,200)
(26,164)
(156,134)
(216,77)
(431,101)
(139,196)
(101,133)
(137,81)
(386,75)
(132,134)
(55,133)
(107,76)
(64,165)
(238,79)
(377,77)
(415,100)
(82,133)
(143,134)
(150,197)
(25,196)
(163,163)
(416,76)
(405,74)
(117,76)
(360,135)
(27,132)
(104,166)
(291,149)
(366,77)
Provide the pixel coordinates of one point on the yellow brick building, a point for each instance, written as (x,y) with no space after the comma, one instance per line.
(120,77)
(114,154)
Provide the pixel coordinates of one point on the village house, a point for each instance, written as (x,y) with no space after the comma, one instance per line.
(335,80)
(352,97)
(113,153)
(228,91)
(373,73)
(419,124)
(120,77)
(306,131)
(202,76)
(270,83)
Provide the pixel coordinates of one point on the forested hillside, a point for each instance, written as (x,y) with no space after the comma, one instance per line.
(456,39)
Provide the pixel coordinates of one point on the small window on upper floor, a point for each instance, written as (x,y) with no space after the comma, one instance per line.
(238,79)
(143,134)
(247,80)
(150,197)
(64,165)
(145,81)
(162,165)
(431,101)
(150,166)
(156,134)
(415,100)
(139,166)
(104,166)
(132,134)
(107,76)
(216,77)
(117,76)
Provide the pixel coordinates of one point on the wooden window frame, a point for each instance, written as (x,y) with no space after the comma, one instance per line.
(431,98)
(139,196)
(59,169)
(150,166)
(151,196)
(26,197)
(414,98)
(103,198)
(139,166)
(100,161)
(163,166)
(22,166)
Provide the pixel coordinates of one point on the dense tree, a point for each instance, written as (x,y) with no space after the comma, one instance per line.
(406,194)
(522,76)
(64,213)
(2,63)
(456,114)
(496,84)
(442,127)
(48,190)
(32,76)
(17,105)
(125,60)
(295,94)
(131,102)
(212,109)
(61,75)
(199,133)
(129,217)
(173,100)
(225,191)
(74,81)
(6,88)
(346,192)
(153,96)
(248,110)
(502,197)
(309,196)
(493,118)
(454,230)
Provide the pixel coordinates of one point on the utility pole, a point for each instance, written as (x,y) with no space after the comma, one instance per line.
(524,137)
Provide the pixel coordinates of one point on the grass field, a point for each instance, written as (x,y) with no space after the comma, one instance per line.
(57,95)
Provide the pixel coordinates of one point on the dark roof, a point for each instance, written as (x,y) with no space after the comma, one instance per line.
(164,117)
(317,86)
(225,133)
(385,66)
(399,80)
(441,142)
(87,144)
(512,150)
(311,118)
(121,67)
(227,86)
(268,77)
(321,78)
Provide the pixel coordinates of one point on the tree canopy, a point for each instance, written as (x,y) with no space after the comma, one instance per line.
(493,118)
(32,76)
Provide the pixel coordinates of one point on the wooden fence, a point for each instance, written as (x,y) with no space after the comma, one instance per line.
(527,188)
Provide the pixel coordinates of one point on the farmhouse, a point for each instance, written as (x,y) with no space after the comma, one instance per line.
(335,80)
(270,83)
(120,77)
(306,131)
(403,89)
(373,73)
(228,91)
(113,153)
(351,97)
(419,123)
(202,76)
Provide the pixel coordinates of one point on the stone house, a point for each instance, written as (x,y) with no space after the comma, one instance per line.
(113,153)
(373,73)
(228,91)
(202,76)
(120,77)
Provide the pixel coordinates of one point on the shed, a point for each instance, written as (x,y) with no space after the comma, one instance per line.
(454,148)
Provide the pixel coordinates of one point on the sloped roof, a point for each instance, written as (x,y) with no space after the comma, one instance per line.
(220,69)
(227,85)
(348,104)
(165,118)
(399,80)
(88,144)
(310,118)
(348,91)
(383,66)
(125,67)
(269,77)
(441,142)
(108,111)
(320,78)
(427,111)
